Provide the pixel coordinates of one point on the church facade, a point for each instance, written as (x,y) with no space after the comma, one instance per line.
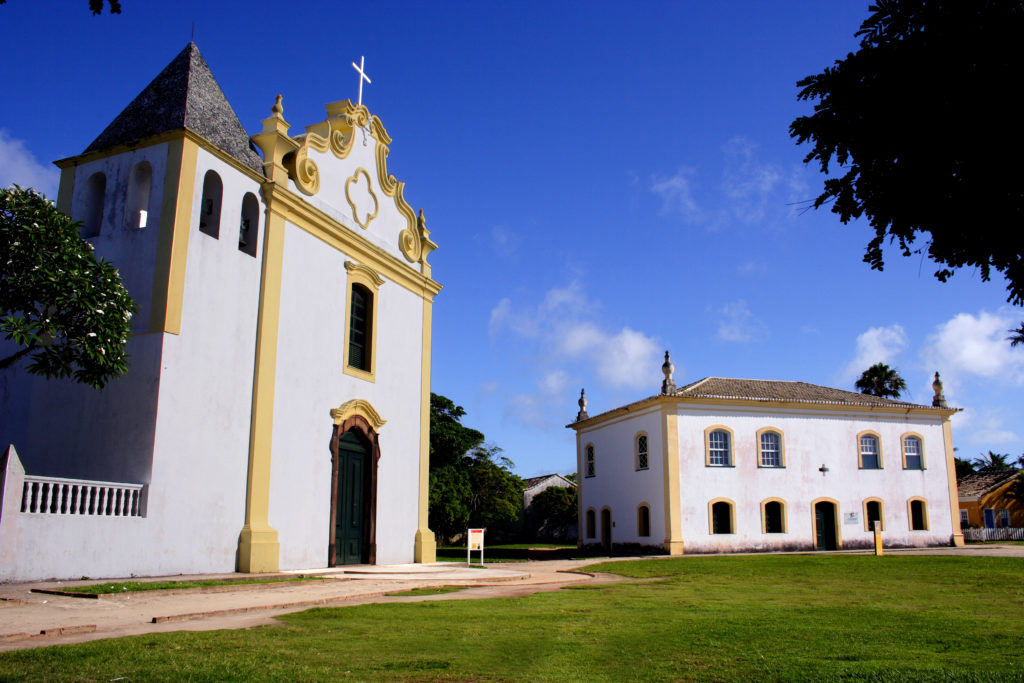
(275,413)
(736,465)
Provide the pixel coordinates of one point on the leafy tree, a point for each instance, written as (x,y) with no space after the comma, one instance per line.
(449,438)
(881,380)
(923,123)
(963,467)
(471,483)
(497,494)
(553,512)
(993,461)
(66,308)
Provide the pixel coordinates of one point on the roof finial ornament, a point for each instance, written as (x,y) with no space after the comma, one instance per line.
(668,385)
(277,110)
(362,77)
(939,401)
(582,415)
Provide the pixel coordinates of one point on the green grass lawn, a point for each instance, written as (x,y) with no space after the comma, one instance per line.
(788,617)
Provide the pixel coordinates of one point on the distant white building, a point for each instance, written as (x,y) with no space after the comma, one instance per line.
(731,465)
(275,414)
(535,486)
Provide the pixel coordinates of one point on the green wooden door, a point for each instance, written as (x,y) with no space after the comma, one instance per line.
(350,526)
(825,526)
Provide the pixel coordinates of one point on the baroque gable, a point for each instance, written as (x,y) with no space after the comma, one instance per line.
(340,166)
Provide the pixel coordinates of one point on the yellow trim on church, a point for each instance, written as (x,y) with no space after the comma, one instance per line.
(258,546)
(425,545)
(172,241)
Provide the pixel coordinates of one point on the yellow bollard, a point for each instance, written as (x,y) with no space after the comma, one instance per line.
(878,539)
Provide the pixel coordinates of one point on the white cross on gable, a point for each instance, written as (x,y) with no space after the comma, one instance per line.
(362,77)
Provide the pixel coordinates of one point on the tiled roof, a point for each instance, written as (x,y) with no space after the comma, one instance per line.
(983,481)
(184,95)
(774,390)
(533,481)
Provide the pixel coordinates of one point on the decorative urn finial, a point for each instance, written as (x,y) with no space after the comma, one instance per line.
(582,415)
(668,385)
(277,109)
(939,401)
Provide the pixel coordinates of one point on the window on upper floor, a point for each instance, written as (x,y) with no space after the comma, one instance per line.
(209,205)
(642,460)
(913,453)
(643,521)
(91,213)
(136,213)
(770,449)
(918,513)
(870,452)
(248,228)
(363,296)
(719,447)
(590,465)
(360,326)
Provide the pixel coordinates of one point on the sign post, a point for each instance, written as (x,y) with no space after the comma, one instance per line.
(476,542)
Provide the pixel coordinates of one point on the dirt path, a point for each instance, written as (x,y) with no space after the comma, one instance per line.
(30,619)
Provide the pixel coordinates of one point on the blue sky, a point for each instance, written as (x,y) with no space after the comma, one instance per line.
(605,181)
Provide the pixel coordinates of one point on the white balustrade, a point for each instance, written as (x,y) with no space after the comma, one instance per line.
(56,496)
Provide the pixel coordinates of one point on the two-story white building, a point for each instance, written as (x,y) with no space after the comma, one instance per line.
(734,465)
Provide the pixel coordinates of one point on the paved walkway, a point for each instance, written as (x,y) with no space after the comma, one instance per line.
(29,618)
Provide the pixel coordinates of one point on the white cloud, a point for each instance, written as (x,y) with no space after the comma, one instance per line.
(750,191)
(19,166)
(969,345)
(567,341)
(627,359)
(504,242)
(737,323)
(989,431)
(877,345)
(748,184)
(677,196)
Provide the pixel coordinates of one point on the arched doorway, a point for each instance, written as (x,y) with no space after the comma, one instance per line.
(826,529)
(350,532)
(355,453)
(606,530)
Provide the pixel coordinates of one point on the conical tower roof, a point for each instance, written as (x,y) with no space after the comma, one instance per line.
(184,95)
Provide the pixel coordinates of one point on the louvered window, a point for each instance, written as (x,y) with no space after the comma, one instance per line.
(359,352)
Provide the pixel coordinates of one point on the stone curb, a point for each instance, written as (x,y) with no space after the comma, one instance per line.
(230,588)
(262,608)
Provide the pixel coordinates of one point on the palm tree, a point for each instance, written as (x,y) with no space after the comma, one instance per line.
(993,461)
(881,380)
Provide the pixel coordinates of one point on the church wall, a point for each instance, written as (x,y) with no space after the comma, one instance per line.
(197,498)
(811,439)
(310,382)
(131,249)
(618,484)
(65,429)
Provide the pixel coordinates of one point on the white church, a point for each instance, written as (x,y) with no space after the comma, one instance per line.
(275,413)
(739,465)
